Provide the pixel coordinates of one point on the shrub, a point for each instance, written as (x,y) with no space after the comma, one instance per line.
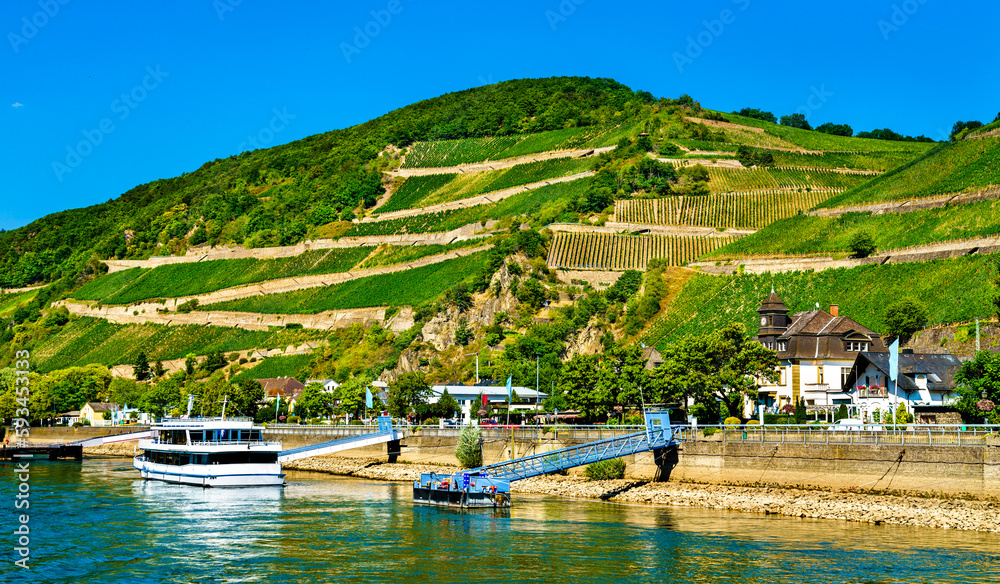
(606,470)
(710,431)
(905,317)
(732,421)
(862,244)
(188,306)
(294,419)
(753,423)
(470,451)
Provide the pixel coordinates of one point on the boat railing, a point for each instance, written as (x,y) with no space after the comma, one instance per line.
(223,443)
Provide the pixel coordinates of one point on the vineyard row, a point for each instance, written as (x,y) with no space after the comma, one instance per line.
(609,251)
(753,210)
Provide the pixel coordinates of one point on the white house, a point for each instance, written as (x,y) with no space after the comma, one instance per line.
(925,385)
(467,396)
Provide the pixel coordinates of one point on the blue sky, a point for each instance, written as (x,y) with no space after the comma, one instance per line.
(100,97)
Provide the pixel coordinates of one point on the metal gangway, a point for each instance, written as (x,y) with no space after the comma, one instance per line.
(489,486)
(658,434)
(385,433)
(112,439)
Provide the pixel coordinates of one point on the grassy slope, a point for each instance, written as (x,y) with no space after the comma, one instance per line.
(398,289)
(464,186)
(175,280)
(11,302)
(91,340)
(811,140)
(544,204)
(807,234)
(279,366)
(952,290)
(948,168)
(455,152)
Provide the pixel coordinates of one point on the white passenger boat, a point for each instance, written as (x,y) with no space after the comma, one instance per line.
(210,452)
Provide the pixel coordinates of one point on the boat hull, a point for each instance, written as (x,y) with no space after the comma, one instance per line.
(230,475)
(465,500)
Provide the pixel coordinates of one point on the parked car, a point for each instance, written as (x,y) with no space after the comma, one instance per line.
(854,425)
(488,422)
(450,423)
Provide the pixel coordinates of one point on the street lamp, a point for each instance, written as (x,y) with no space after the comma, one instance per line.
(477,364)
(536,387)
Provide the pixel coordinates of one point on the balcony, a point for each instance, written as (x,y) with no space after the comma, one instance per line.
(874,391)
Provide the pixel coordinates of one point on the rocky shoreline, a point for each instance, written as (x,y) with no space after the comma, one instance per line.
(864,507)
(962,514)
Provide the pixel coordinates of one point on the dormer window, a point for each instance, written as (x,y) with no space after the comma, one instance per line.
(782,346)
(857,346)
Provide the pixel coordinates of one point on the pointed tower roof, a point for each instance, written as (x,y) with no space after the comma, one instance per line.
(772,303)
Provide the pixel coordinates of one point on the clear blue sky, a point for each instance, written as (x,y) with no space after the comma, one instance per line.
(157,88)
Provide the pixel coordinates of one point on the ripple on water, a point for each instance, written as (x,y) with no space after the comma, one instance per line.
(97,521)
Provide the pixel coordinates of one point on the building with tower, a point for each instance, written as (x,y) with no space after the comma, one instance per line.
(816,351)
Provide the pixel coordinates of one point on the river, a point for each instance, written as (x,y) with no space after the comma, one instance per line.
(97,521)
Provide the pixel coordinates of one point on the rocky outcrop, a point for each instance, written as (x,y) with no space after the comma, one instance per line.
(440,330)
(585,342)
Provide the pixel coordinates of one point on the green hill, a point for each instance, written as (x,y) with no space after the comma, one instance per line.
(278,195)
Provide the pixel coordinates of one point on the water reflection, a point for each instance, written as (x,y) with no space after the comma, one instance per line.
(98,521)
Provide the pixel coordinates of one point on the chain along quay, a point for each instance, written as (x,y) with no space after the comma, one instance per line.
(923,476)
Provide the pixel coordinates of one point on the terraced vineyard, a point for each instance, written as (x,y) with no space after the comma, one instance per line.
(753,210)
(607,251)
(546,204)
(438,189)
(876,161)
(409,287)
(959,289)
(967,165)
(277,366)
(413,190)
(804,234)
(11,302)
(811,140)
(175,280)
(729,180)
(91,340)
(456,152)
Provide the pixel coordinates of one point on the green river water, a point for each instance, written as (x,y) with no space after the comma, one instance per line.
(98,522)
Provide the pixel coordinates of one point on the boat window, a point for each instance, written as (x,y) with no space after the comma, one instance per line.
(197,435)
(242,457)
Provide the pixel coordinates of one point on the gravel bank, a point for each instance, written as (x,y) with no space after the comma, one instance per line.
(846,506)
